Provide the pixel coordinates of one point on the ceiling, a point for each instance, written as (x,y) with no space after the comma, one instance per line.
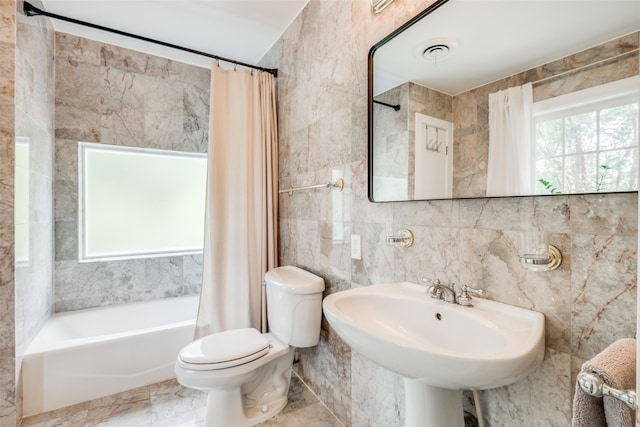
(243,30)
(493,39)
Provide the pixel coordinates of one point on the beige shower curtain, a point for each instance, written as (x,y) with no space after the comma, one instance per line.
(240,243)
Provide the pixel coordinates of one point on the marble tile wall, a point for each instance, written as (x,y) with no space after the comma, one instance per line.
(7,259)
(394,133)
(588,303)
(392,136)
(34,126)
(107,94)
(26,113)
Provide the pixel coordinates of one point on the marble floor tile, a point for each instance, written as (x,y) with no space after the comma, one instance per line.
(168,404)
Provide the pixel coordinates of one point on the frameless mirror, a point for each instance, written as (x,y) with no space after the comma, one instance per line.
(490,98)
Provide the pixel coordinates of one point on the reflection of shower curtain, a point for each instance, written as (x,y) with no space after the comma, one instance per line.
(240,243)
(510,166)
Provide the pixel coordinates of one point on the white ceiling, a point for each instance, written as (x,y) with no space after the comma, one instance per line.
(242,30)
(499,38)
(245,30)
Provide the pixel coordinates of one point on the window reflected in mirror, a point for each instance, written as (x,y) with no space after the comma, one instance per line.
(587,141)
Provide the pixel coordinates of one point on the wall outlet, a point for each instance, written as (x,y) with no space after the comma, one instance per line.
(356,247)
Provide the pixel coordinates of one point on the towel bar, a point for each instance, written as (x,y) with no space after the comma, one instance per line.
(593,385)
(339,185)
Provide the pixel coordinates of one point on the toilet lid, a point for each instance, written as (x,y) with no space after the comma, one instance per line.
(226,349)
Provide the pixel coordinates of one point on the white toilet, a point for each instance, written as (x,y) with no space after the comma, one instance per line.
(245,373)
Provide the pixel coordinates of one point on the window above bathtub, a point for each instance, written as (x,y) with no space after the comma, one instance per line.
(139,203)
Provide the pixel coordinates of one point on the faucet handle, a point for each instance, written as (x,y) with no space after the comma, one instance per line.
(464,298)
(474,291)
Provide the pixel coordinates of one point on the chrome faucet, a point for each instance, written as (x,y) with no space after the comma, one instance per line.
(439,291)
(443,292)
(448,294)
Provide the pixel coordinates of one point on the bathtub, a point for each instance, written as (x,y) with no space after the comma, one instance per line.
(86,354)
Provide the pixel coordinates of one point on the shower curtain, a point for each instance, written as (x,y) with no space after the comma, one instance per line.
(240,243)
(510,164)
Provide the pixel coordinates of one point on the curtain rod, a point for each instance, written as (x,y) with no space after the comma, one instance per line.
(395,107)
(31,10)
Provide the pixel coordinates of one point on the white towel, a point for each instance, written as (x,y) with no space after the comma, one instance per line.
(616,365)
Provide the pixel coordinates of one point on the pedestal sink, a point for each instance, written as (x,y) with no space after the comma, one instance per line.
(439,348)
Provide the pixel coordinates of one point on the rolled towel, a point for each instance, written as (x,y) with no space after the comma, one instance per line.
(616,365)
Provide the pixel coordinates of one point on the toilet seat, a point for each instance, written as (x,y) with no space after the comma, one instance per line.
(224,349)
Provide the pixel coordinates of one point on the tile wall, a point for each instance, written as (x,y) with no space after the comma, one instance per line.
(107,94)
(34,127)
(391,161)
(26,116)
(588,303)
(7,263)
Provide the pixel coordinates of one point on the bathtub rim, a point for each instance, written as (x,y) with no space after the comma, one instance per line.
(36,348)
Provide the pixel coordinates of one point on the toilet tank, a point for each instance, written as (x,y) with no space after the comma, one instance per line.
(294,305)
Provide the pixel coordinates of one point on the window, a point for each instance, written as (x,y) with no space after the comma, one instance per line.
(139,203)
(587,141)
(21,201)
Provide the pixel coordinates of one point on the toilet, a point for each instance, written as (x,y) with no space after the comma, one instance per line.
(247,373)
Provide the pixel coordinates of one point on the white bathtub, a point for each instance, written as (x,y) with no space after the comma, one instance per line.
(86,354)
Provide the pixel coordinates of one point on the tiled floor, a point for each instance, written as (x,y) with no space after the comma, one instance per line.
(168,404)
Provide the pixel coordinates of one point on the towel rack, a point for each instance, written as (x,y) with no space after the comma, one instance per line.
(593,385)
(338,185)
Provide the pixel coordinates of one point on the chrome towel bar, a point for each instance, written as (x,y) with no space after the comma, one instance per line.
(338,185)
(593,385)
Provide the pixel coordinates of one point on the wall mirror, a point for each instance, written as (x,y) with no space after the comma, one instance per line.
(490,98)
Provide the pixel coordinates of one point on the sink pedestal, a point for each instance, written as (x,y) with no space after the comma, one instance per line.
(427,406)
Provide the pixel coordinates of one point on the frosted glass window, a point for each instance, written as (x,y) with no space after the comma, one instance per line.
(140,203)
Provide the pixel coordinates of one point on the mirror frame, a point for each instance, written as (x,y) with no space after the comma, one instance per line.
(370,103)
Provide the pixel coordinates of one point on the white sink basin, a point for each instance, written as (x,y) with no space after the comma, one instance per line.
(402,329)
